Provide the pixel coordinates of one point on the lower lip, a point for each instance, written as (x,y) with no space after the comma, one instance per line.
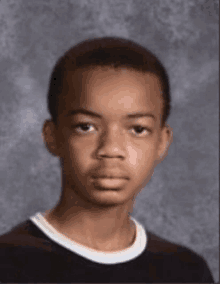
(107,182)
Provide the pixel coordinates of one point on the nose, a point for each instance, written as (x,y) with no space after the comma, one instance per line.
(112,143)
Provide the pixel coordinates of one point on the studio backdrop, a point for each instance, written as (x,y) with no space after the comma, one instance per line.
(181,201)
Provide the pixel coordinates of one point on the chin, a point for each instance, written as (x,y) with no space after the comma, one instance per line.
(108,197)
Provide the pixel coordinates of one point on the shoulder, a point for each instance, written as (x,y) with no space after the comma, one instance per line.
(158,244)
(174,252)
(25,234)
(178,258)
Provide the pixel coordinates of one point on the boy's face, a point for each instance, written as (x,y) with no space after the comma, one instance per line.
(111,144)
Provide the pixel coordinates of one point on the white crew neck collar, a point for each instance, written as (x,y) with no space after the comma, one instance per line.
(124,255)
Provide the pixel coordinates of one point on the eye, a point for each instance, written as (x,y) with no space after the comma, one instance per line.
(83,126)
(139,129)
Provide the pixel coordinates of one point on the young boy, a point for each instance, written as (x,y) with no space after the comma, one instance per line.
(109,101)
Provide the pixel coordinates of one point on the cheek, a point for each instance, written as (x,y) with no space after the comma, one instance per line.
(141,157)
(79,154)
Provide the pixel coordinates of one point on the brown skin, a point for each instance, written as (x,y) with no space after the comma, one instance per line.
(97,218)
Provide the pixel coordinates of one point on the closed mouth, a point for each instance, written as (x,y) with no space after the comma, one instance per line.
(110,177)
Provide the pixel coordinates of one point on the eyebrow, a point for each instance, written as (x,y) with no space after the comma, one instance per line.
(93,114)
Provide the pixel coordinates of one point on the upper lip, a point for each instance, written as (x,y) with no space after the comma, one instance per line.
(110,174)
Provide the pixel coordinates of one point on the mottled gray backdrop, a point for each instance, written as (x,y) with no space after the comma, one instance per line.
(181,201)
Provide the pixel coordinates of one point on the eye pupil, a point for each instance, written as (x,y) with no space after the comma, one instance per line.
(84,126)
(139,128)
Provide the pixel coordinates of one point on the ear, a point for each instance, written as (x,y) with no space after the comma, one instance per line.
(166,138)
(49,137)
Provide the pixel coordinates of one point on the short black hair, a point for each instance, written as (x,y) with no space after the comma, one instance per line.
(113,52)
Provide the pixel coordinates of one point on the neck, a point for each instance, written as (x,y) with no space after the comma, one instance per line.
(101,229)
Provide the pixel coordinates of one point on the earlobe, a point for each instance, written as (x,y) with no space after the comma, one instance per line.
(166,149)
(169,140)
(48,137)
(170,134)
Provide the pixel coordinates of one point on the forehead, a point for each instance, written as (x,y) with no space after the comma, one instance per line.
(112,91)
